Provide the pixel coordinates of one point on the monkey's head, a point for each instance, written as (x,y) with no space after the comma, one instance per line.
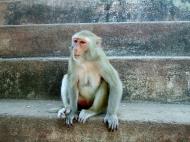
(84,44)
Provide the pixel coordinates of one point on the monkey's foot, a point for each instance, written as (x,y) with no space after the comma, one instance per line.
(112,121)
(85,114)
(63,112)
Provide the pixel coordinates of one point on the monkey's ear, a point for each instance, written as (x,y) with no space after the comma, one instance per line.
(98,42)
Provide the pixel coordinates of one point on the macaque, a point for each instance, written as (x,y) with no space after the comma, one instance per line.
(91,85)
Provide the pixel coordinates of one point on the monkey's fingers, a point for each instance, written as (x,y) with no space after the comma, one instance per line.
(112,126)
(83,116)
(69,122)
(112,122)
(82,120)
(69,119)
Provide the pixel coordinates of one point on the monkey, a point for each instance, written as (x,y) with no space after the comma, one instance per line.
(92,85)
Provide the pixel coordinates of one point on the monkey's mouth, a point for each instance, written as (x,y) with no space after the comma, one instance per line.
(76,56)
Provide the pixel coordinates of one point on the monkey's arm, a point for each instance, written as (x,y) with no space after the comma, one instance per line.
(64,96)
(110,75)
(72,107)
(64,91)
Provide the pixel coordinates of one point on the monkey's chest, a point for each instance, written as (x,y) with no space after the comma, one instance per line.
(88,82)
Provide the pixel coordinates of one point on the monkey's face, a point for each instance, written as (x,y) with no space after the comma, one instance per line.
(80,46)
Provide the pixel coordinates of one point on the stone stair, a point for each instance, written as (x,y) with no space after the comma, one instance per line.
(152,58)
(30,121)
(16,12)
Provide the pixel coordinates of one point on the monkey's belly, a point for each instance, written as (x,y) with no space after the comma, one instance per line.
(87,92)
(86,97)
(88,85)
(84,103)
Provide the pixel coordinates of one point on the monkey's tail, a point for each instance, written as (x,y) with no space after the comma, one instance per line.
(54,110)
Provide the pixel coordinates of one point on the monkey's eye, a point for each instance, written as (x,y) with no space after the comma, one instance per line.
(75,41)
(83,42)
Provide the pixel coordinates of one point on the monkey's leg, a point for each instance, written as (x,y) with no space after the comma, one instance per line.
(64,92)
(99,105)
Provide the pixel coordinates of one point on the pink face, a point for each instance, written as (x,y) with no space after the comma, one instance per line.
(79,46)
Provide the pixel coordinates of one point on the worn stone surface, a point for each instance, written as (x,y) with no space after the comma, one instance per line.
(31,79)
(155,79)
(29,130)
(138,126)
(144,78)
(144,112)
(90,11)
(119,39)
(3,10)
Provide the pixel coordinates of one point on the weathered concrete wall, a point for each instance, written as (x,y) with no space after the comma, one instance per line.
(33,129)
(154,79)
(3,10)
(151,79)
(31,79)
(87,11)
(121,39)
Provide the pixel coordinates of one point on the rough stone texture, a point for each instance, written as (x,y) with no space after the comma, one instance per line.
(144,112)
(3,10)
(31,78)
(47,130)
(119,39)
(144,78)
(39,125)
(165,80)
(90,11)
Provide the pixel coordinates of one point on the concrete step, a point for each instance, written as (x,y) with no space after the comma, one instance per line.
(22,121)
(119,39)
(18,12)
(162,79)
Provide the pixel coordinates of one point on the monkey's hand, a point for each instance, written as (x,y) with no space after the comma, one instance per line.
(70,116)
(69,119)
(112,121)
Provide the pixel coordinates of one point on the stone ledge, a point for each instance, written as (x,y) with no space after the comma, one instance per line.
(163,79)
(24,120)
(119,39)
(87,11)
(144,111)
